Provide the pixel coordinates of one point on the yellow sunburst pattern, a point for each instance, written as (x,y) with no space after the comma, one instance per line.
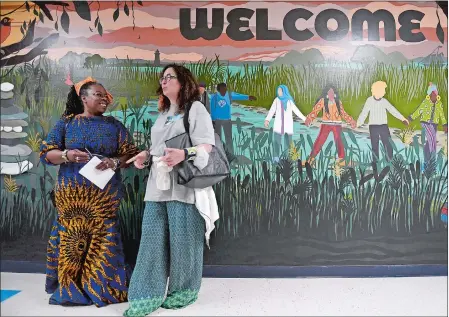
(84,258)
(75,201)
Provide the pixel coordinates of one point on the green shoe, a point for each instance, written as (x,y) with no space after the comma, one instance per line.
(143,307)
(180,299)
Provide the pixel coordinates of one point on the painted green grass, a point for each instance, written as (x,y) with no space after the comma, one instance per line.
(406,89)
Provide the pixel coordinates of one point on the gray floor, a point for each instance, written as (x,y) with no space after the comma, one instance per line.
(415,296)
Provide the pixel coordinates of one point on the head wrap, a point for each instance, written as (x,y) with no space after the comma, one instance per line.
(432,87)
(89,79)
(285,95)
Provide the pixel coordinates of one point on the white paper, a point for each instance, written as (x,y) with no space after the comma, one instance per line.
(97,177)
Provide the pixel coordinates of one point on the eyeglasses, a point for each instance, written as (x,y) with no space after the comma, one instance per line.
(167,78)
(99,95)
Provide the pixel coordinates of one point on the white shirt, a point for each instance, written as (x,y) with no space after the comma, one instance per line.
(377,110)
(288,116)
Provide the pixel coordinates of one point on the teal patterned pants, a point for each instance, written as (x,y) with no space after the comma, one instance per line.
(172,245)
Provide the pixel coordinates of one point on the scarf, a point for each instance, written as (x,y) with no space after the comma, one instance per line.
(205,200)
(285,96)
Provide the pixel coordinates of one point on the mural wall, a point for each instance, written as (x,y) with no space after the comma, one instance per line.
(337,129)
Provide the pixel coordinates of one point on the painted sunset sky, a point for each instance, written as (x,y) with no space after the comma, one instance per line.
(157,27)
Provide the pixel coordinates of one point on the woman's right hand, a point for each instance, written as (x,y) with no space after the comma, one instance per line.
(267,123)
(308,121)
(139,159)
(77,156)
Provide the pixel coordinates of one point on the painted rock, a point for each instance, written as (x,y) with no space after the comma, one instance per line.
(17,116)
(6,87)
(11,110)
(6,95)
(7,128)
(14,159)
(13,135)
(15,168)
(16,150)
(7,103)
(13,123)
(12,142)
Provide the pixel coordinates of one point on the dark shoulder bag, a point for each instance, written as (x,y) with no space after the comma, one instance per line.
(189,175)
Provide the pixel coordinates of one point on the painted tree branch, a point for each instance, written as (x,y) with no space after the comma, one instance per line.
(25,42)
(40,49)
(43,6)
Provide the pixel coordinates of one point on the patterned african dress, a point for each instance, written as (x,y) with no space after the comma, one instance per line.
(85,261)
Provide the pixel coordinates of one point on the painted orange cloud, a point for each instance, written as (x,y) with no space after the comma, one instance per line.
(164,37)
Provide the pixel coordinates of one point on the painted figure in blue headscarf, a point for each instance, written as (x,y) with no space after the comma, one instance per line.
(283,107)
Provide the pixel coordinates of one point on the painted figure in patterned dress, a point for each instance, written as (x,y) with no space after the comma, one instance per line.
(85,261)
(431,114)
(333,115)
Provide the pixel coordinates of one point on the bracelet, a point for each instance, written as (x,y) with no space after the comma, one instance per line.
(190,153)
(116,163)
(148,160)
(64,156)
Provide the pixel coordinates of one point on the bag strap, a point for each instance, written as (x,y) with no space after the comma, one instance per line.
(186,117)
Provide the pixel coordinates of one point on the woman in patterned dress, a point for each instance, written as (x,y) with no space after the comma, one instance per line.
(85,261)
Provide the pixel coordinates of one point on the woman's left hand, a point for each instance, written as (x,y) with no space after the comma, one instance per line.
(173,157)
(105,164)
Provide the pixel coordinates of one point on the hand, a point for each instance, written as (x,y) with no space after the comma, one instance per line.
(406,122)
(105,164)
(308,121)
(139,159)
(353,124)
(173,157)
(267,123)
(252,98)
(77,156)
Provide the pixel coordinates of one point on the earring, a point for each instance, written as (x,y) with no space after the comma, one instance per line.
(438,98)
(427,97)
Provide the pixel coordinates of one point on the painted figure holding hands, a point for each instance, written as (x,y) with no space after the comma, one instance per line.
(377,108)
(431,114)
(284,107)
(333,115)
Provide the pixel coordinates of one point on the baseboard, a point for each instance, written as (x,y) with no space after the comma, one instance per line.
(245,271)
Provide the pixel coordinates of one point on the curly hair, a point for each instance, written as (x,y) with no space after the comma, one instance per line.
(189,88)
(74,105)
